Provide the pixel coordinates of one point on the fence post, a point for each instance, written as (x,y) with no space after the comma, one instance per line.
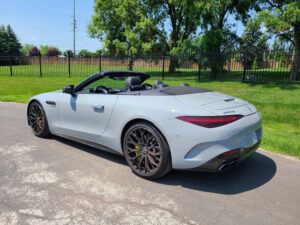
(69,65)
(100,62)
(40,63)
(10,65)
(163,68)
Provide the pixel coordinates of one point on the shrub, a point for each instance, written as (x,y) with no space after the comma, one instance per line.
(34,51)
(53,51)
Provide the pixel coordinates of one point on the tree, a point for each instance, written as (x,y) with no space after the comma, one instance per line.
(14,46)
(34,51)
(26,48)
(218,34)
(119,24)
(9,43)
(139,26)
(3,41)
(53,51)
(98,52)
(281,51)
(85,53)
(253,43)
(47,50)
(184,17)
(44,50)
(68,53)
(282,18)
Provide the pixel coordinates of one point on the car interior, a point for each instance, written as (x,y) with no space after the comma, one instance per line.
(131,84)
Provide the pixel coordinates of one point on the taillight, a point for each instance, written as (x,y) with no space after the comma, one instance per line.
(231,152)
(210,121)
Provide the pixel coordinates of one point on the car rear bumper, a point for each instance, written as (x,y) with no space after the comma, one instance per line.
(194,146)
(224,162)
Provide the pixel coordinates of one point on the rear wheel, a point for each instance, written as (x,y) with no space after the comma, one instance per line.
(146,151)
(37,120)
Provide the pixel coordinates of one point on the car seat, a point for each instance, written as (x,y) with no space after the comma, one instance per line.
(134,84)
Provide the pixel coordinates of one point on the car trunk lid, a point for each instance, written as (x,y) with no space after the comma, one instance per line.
(218,103)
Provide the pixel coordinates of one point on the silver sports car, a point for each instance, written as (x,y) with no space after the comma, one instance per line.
(155,127)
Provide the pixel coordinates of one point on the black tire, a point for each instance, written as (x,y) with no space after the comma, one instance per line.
(37,120)
(146,151)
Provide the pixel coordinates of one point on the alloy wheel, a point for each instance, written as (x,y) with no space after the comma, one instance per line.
(143,150)
(36,118)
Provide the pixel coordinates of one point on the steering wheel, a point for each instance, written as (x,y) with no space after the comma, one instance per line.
(147,86)
(101,89)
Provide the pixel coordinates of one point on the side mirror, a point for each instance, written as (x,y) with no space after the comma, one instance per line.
(69,89)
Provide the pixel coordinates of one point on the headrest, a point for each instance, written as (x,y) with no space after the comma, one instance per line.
(131,81)
(184,84)
(158,84)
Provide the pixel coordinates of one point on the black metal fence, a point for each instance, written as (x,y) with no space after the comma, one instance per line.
(269,67)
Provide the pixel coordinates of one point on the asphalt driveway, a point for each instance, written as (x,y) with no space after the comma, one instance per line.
(56,181)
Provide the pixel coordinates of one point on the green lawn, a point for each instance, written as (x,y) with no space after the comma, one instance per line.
(280,105)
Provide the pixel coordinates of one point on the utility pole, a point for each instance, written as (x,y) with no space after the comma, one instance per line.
(74,23)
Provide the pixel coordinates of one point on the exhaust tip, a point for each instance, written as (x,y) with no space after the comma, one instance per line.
(226,165)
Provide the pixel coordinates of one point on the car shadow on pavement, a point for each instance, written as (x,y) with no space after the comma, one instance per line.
(254,172)
(95,151)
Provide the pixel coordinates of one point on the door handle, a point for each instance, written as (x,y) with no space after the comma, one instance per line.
(98,108)
(51,103)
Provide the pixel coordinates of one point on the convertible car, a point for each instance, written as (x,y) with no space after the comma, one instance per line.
(155,127)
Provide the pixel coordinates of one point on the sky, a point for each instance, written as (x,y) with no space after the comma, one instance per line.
(41,22)
(49,22)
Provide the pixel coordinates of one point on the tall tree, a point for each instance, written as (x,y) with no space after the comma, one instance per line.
(282,18)
(9,43)
(282,51)
(218,33)
(26,48)
(44,49)
(14,46)
(184,18)
(68,53)
(3,41)
(123,26)
(139,26)
(253,43)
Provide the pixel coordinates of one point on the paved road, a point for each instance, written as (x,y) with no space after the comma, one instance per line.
(55,181)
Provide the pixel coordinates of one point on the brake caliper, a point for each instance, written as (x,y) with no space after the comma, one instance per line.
(138,153)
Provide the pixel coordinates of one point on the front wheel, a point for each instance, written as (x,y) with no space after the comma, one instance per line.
(37,120)
(146,151)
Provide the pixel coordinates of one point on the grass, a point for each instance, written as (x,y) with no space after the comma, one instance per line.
(280,105)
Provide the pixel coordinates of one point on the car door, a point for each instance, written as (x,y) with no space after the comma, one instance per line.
(85,115)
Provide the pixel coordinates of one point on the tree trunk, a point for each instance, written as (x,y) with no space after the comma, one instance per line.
(216,62)
(173,64)
(130,62)
(295,71)
(295,65)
